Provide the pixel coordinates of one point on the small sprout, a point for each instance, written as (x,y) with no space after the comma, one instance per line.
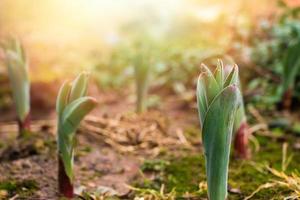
(141,72)
(17,67)
(72,106)
(218,98)
(291,63)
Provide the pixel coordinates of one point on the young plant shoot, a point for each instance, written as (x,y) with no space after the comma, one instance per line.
(17,67)
(218,98)
(291,64)
(72,105)
(141,73)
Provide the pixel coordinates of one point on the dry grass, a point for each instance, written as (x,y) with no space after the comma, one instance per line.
(150,194)
(281,178)
(146,133)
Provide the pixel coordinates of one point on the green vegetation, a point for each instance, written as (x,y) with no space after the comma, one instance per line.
(184,174)
(291,69)
(274,50)
(72,106)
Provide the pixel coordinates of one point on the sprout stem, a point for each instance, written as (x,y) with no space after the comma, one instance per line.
(65,185)
(24,126)
(241,141)
(287,99)
(141,98)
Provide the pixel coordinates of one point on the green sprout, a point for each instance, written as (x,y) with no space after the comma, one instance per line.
(141,73)
(17,67)
(291,63)
(72,106)
(218,98)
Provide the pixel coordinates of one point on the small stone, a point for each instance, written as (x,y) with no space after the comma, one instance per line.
(26,164)
(39,144)
(234,190)
(106,190)
(297,146)
(3,194)
(91,184)
(79,190)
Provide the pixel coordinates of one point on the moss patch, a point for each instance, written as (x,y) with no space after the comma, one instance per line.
(24,188)
(184,173)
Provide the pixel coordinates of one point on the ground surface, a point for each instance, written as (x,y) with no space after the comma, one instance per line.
(155,155)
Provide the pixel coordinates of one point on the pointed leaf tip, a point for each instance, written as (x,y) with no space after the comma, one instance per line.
(79,86)
(233,76)
(219,73)
(205,68)
(63,97)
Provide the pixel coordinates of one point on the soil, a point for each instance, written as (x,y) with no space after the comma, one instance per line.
(117,150)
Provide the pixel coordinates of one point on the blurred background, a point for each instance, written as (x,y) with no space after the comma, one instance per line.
(63,37)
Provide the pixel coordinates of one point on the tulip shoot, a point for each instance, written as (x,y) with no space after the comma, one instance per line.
(218,98)
(72,106)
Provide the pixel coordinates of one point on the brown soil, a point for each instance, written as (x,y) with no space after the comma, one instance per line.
(112,143)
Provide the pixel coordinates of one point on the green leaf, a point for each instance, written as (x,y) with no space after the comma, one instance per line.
(233,77)
(75,112)
(216,136)
(211,86)
(79,86)
(291,65)
(201,99)
(63,97)
(219,73)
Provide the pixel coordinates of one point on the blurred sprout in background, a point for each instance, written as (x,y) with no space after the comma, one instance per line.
(142,61)
(17,66)
(274,54)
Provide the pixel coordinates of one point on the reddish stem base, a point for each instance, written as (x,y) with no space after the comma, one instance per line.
(65,186)
(287,99)
(24,126)
(241,141)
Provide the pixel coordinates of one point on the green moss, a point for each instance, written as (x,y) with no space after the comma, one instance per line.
(83,151)
(24,188)
(247,178)
(2,145)
(154,165)
(184,172)
(192,132)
